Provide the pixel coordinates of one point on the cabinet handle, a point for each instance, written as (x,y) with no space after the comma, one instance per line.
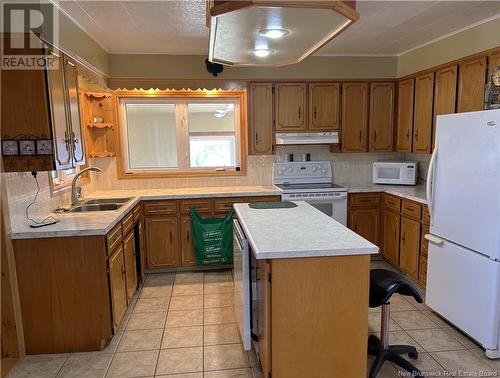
(360,135)
(403,238)
(315,112)
(416,135)
(374,135)
(256,138)
(408,134)
(300,113)
(171,238)
(66,140)
(395,235)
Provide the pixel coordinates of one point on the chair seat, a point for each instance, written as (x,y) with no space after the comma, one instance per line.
(384,283)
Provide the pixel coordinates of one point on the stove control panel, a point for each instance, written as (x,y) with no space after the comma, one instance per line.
(301,172)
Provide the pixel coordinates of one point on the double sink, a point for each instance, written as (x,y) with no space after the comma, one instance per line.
(99,204)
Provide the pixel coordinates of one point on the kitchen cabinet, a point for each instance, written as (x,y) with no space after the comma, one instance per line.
(364,215)
(390,246)
(43,128)
(406,94)
(493,62)
(187,247)
(264,313)
(290,100)
(117,286)
(471,84)
(129,256)
(324,106)
(409,250)
(445,91)
(422,127)
(381,117)
(354,116)
(162,235)
(261,119)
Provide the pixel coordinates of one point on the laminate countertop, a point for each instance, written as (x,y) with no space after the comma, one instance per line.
(415,193)
(101,222)
(302,231)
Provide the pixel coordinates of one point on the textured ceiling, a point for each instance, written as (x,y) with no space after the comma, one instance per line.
(178,26)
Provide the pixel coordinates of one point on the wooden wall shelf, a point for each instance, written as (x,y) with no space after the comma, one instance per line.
(101,125)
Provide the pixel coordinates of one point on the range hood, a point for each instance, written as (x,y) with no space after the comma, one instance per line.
(307,138)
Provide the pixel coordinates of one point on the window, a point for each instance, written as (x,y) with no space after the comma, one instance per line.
(161,135)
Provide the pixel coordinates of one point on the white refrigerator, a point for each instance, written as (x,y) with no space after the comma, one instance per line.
(463,191)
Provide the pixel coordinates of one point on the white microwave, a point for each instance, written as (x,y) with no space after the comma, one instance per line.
(397,173)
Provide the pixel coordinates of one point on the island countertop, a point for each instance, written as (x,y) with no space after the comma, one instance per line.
(302,231)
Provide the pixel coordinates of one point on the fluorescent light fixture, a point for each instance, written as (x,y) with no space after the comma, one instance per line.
(274,33)
(262,53)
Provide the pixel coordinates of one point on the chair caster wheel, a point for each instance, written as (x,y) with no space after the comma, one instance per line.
(413,355)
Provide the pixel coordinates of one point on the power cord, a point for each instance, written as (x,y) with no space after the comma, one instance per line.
(47,221)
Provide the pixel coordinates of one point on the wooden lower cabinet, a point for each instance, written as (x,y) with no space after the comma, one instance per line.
(187,247)
(422,271)
(162,235)
(365,222)
(409,249)
(130,264)
(117,286)
(313,316)
(390,246)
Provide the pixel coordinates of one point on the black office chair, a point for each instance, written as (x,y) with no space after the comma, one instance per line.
(383,284)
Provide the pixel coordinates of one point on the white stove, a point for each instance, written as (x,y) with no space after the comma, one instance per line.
(311,181)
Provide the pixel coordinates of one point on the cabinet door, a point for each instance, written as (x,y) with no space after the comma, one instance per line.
(264,324)
(57,96)
(187,247)
(406,94)
(117,285)
(365,222)
(73,109)
(493,62)
(354,116)
(324,106)
(409,246)
(381,117)
(290,106)
(261,119)
(162,237)
(130,266)
(471,82)
(390,249)
(445,94)
(422,128)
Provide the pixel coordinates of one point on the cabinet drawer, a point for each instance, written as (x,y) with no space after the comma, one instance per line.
(138,212)
(426,218)
(114,238)
(128,223)
(424,243)
(365,199)
(422,272)
(160,208)
(222,205)
(392,203)
(411,209)
(204,206)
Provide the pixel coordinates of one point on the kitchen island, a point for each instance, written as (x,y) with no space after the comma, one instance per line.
(310,292)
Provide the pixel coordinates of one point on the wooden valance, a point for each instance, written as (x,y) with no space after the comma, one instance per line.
(166,84)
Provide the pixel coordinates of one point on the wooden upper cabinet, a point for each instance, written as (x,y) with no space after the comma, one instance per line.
(354,116)
(324,106)
(290,106)
(422,128)
(162,237)
(493,62)
(381,116)
(409,250)
(445,91)
(406,95)
(471,83)
(261,118)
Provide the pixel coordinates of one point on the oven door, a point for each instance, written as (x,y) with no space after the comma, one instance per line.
(333,204)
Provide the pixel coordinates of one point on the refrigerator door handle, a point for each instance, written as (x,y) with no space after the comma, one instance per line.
(430,182)
(434,239)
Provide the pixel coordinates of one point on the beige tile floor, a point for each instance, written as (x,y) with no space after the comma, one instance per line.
(182,325)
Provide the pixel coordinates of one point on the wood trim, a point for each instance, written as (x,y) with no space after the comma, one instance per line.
(240,95)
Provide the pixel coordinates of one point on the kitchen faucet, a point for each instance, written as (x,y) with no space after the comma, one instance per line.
(74,195)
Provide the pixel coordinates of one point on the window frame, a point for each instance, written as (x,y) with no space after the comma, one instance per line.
(183,96)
